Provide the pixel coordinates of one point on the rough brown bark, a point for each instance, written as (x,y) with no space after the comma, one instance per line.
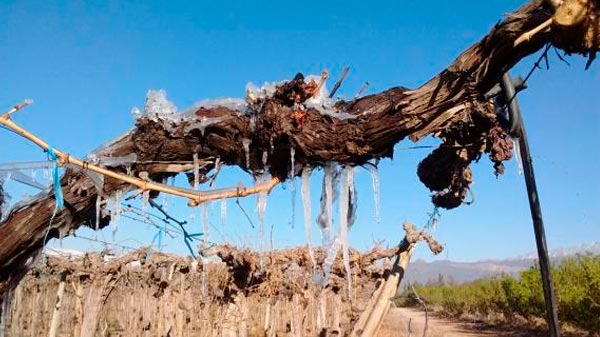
(371,318)
(450,106)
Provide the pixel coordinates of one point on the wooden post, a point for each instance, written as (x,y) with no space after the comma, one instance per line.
(379,304)
(56,313)
(93,305)
(370,320)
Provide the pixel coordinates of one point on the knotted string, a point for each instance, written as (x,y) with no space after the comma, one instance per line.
(58,196)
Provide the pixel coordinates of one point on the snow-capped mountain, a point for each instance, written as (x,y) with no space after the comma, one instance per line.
(422,271)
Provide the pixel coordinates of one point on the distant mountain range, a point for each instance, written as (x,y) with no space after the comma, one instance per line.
(421,271)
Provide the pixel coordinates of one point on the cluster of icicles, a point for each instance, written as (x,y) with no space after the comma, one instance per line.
(338,184)
(338,187)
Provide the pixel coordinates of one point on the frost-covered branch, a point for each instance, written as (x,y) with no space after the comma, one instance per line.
(143,183)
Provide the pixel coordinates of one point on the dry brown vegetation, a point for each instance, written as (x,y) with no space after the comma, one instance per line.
(163,295)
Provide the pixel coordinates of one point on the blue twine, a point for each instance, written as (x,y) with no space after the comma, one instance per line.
(434,218)
(58,196)
(159,236)
(187,238)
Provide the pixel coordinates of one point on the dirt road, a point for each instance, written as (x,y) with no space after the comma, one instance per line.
(397,324)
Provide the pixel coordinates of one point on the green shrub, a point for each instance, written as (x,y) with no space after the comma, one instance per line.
(576,280)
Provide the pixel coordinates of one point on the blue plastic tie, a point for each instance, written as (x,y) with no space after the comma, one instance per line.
(187,243)
(159,236)
(58,196)
(56,177)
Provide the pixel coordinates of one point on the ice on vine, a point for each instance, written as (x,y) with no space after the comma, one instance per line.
(261,205)
(306,172)
(265,157)
(246,144)
(266,90)
(25,173)
(224,211)
(145,201)
(293,183)
(205,240)
(98,205)
(117,161)
(205,223)
(325,218)
(204,123)
(4,199)
(376,190)
(346,205)
(323,103)
(252,124)
(218,165)
(116,210)
(196,171)
(157,108)
(165,203)
(292,162)
(196,182)
(331,251)
(261,208)
(518,158)
(136,113)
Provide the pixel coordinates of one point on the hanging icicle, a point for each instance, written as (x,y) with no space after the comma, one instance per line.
(196,182)
(325,218)
(352,202)
(165,203)
(518,158)
(306,172)
(196,171)
(25,173)
(293,162)
(205,242)
(98,208)
(224,211)
(145,200)
(246,144)
(293,184)
(218,165)
(346,210)
(265,158)
(261,206)
(331,251)
(373,169)
(205,222)
(116,210)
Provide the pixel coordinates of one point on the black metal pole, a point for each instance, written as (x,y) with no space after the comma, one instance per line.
(534,205)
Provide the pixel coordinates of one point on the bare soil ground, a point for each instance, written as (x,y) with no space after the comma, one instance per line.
(398,321)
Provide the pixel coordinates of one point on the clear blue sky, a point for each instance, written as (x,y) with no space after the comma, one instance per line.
(86,64)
